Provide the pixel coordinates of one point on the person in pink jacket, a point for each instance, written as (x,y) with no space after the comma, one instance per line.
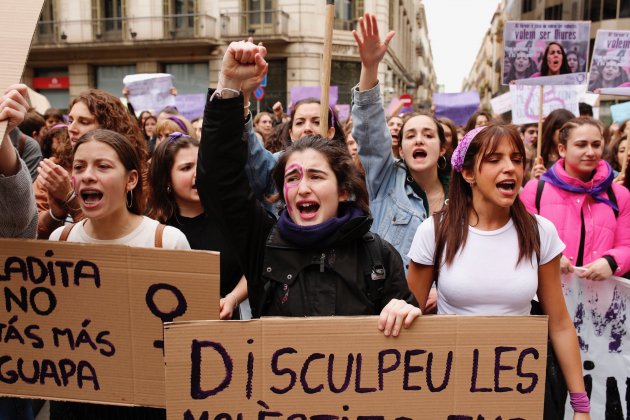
(589,210)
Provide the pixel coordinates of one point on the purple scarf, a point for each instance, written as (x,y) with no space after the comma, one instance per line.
(321,234)
(596,192)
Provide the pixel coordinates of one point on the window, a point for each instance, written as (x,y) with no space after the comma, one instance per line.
(189,77)
(46,25)
(347,13)
(624,12)
(180,17)
(610,9)
(553,13)
(108,19)
(110,78)
(594,10)
(58,98)
(528,6)
(259,12)
(344,75)
(276,89)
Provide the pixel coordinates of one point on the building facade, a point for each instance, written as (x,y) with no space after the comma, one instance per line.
(95,43)
(486,72)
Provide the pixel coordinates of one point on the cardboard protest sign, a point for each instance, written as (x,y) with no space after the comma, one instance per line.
(610,66)
(620,112)
(501,103)
(601,314)
(443,367)
(16,32)
(525,44)
(456,106)
(84,321)
(526,101)
(149,91)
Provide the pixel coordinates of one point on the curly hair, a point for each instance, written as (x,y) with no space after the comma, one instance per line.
(63,155)
(112,115)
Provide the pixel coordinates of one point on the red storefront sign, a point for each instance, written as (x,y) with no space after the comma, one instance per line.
(54,82)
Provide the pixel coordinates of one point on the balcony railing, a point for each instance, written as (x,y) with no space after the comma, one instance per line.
(182,26)
(255,23)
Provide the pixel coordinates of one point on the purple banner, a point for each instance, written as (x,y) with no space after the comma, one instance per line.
(191,106)
(456,106)
(303,92)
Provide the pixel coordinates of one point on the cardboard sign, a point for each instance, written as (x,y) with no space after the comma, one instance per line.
(150,91)
(525,44)
(601,315)
(444,367)
(526,101)
(84,321)
(19,20)
(456,106)
(610,66)
(501,103)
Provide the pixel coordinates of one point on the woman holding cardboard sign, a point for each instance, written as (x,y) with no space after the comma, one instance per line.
(318,258)
(488,255)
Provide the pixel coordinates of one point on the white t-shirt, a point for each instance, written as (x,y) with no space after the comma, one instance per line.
(484,278)
(142,236)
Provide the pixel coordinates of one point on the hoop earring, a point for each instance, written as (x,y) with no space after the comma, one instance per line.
(129,200)
(445,162)
(168,189)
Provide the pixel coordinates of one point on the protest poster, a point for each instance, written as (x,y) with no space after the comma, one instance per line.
(526,101)
(601,316)
(501,103)
(305,92)
(149,91)
(191,105)
(16,32)
(620,112)
(610,65)
(443,367)
(525,43)
(83,322)
(456,106)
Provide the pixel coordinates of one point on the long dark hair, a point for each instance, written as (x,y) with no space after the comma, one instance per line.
(444,171)
(162,202)
(472,121)
(129,156)
(553,122)
(564,67)
(348,178)
(64,154)
(453,227)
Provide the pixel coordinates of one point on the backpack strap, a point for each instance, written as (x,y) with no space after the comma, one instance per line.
(66,232)
(159,233)
(613,199)
(374,270)
(539,191)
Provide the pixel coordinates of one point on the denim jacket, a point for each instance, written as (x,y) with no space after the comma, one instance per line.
(396,209)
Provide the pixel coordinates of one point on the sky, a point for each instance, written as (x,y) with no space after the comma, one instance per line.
(456,29)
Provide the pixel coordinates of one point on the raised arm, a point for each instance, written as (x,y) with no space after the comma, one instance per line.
(369,124)
(221,180)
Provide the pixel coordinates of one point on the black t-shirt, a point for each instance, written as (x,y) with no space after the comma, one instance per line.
(203,233)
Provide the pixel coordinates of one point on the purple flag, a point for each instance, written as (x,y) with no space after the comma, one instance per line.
(456,106)
(302,92)
(191,106)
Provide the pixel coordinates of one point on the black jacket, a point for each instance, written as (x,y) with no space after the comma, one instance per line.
(290,277)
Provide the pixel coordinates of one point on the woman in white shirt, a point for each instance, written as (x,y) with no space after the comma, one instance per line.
(491,257)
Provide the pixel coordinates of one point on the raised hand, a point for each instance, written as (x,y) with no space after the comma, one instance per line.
(371,49)
(14,105)
(242,61)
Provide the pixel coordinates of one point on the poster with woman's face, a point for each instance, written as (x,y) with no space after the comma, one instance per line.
(545,52)
(610,67)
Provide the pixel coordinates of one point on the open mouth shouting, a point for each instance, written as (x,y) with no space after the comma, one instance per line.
(419,154)
(307,209)
(507,187)
(90,198)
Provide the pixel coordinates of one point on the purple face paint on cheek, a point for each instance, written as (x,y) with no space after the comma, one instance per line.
(288,186)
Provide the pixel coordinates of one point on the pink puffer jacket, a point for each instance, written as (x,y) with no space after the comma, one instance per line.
(604,234)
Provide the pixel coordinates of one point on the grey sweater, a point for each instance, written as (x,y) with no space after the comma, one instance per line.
(18,212)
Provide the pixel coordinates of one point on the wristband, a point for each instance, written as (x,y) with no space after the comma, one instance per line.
(219,93)
(580,402)
(53,216)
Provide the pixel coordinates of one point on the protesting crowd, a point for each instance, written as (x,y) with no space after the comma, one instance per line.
(399,216)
